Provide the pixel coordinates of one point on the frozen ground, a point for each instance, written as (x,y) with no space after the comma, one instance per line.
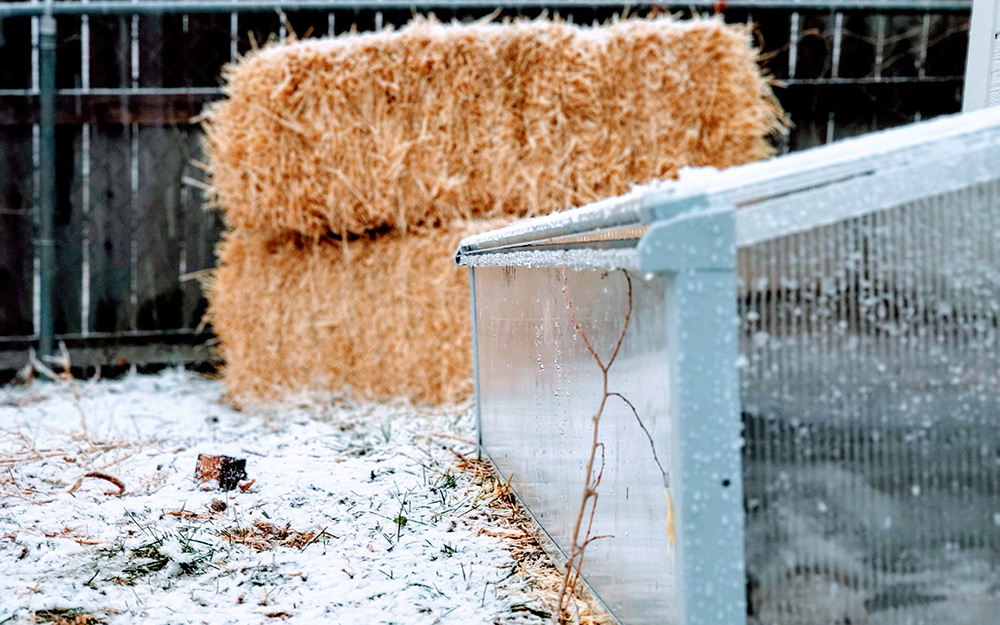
(356,514)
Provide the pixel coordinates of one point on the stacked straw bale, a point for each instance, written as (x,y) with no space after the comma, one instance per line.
(433,123)
(387,317)
(349,168)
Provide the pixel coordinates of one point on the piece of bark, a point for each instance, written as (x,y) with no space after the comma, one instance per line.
(225,470)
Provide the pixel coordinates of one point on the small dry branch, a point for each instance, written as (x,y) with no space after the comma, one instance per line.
(101,476)
(579,543)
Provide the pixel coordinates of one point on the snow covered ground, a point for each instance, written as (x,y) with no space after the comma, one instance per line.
(355,513)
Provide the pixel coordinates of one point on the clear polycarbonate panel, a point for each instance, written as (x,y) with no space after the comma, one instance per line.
(539,390)
(870,384)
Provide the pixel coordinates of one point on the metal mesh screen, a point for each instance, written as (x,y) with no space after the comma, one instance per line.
(869,382)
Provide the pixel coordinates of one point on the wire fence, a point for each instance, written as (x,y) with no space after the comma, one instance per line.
(129,232)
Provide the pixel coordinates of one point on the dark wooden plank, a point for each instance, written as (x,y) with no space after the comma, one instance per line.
(173,108)
(202,230)
(68,52)
(119,350)
(68,231)
(161,158)
(857,52)
(111,222)
(255,29)
(15,53)
(152,50)
(902,44)
(110,50)
(949,42)
(179,50)
(772,30)
(815,45)
(164,152)
(808,108)
(15,231)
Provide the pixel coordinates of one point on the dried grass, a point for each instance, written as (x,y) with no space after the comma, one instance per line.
(67,616)
(263,536)
(386,317)
(406,130)
(510,522)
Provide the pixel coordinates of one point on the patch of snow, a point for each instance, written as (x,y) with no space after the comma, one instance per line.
(383,527)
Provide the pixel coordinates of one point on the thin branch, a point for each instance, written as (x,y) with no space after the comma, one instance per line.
(628,316)
(577,546)
(649,437)
(576,324)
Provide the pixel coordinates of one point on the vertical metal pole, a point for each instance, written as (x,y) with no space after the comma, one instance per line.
(698,251)
(476,406)
(982,69)
(46,177)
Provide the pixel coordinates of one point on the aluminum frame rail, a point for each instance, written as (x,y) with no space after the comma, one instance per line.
(982,69)
(689,230)
(770,194)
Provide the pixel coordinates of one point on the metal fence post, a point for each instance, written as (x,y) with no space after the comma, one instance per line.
(697,250)
(46,177)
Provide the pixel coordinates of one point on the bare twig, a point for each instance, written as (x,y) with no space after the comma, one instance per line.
(101,476)
(41,367)
(649,437)
(66,376)
(578,544)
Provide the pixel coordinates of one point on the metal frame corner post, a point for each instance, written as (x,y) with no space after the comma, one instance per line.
(476,404)
(697,250)
(44,241)
(982,69)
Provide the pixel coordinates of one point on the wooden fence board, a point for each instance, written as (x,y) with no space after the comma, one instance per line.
(15,53)
(902,40)
(111,226)
(110,51)
(163,156)
(183,50)
(68,52)
(860,37)
(15,231)
(68,231)
(815,45)
(949,42)
(202,229)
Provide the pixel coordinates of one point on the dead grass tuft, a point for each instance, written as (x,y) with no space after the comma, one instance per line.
(67,616)
(264,536)
(511,523)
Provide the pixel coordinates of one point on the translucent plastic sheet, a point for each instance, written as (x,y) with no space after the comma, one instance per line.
(540,388)
(871,396)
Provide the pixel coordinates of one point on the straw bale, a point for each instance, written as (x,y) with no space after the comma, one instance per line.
(432,123)
(382,317)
